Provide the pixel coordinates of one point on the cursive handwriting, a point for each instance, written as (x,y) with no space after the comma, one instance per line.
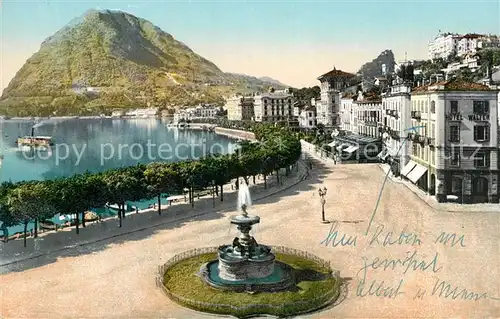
(444,289)
(334,238)
(404,237)
(378,289)
(409,262)
(444,238)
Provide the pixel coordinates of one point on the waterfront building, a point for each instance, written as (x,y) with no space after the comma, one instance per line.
(332,84)
(396,108)
(454,152)
(240,108)
(273,106)
(148,112)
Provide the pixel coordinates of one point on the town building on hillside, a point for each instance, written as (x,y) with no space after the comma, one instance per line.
(196,113)
(454,156)
(446,44)
(307,117)
(332,84)
(240,108)
(471,43)
(148,112)
(273,106)
(347,113)
(443,45)
(396,108)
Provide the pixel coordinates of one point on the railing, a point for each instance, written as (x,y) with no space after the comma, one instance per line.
(456,116)
(431,141)
(257,308)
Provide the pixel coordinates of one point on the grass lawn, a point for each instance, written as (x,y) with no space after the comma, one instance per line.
(181,279)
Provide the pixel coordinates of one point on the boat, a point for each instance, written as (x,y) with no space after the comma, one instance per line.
(112,206)
(39,142)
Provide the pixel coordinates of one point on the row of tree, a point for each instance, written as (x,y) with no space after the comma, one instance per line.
(26,201)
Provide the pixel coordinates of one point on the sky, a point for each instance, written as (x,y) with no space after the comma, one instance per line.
(292,41)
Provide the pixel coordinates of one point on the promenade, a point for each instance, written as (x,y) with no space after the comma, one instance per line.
(115,277)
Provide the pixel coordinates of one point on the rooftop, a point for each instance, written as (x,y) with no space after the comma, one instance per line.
(336,74)
(451,85)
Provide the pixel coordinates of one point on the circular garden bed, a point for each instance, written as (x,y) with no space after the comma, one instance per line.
(315,287)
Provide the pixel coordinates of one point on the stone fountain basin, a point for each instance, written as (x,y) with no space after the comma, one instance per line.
(245,220)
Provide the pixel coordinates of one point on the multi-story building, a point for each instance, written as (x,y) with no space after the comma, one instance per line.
(332,83)
(196,113)
(454,151)
(307,117)
(273,106)
(240,108)
(395,121)
(347,113)
(443,45)
(471,43)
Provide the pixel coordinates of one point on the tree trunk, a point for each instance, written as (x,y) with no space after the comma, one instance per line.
(189,194)
(253,176)
(216,191)
(77,224)
(36,228)
(245,178)
(278,176)
(83,219)
(222,193)
(25,231)
(120,215)
(265,181)
(192,197)
(123,210)
(159,204)
(237,183)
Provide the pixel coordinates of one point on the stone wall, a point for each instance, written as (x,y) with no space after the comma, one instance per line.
(235,133)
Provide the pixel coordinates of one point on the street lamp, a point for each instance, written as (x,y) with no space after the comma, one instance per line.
(322,194)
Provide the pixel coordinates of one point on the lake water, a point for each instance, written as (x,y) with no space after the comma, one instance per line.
(99,144)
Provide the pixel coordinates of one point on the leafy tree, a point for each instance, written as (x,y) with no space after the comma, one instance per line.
(160,178)
(29,201)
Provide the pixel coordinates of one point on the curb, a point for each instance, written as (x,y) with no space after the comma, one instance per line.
(435,206)
(300,178)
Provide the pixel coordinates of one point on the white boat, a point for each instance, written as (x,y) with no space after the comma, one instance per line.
(37,142)
(112,206)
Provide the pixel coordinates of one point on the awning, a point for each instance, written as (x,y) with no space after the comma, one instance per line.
(408,168)
(351,149)
(340,147)
(416,173)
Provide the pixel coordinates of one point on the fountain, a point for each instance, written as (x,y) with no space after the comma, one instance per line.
(245,264)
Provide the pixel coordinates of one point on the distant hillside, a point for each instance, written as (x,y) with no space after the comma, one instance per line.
(108,59)
(273,81)
(373,69)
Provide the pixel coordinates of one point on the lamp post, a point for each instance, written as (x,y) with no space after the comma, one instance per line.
(322,194)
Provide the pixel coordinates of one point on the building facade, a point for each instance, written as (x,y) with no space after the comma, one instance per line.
(369,118)
(454,151)
(307,118)
(332,83)
(396,119)
(240,108)
(273,106)
(443,45)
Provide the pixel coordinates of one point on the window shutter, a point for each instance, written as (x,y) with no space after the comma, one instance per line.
(475,133)
(486,133)
(486,106)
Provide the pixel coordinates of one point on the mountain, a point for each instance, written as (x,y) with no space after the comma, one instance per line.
(273,81)
(373,69)
(108,59)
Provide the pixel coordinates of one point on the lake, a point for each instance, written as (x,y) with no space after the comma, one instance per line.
(99,144)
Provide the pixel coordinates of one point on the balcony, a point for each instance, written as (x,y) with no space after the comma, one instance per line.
(479,117)
(422,139)
(416,115)
(431,141)
(454,117)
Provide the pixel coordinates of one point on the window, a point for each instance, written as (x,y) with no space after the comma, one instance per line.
(481,107)
(481,133)
(481,159)
(426,103)
(454,133)
(454,107)
(310,123)
(455,159)
(433,107)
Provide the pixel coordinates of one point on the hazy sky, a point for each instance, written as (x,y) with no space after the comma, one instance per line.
(292,41)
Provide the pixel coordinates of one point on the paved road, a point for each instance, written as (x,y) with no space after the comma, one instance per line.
(116,279)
